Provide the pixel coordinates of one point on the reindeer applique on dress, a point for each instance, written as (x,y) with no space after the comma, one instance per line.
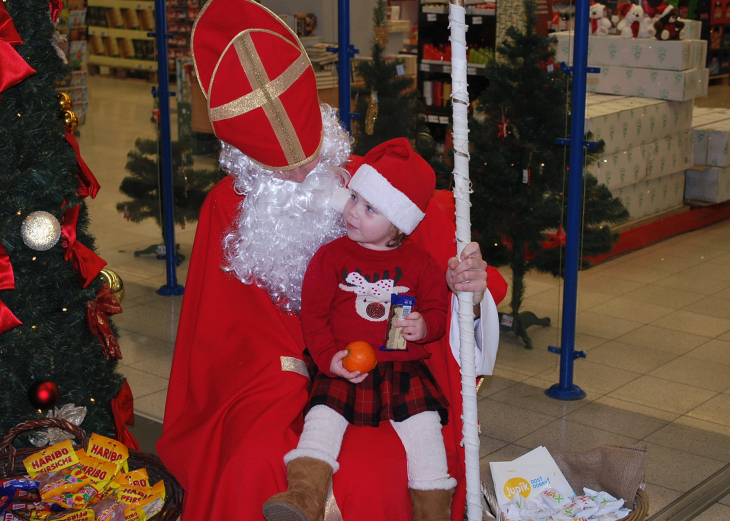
(373,298)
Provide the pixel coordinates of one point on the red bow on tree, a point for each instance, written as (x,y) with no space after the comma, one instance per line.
(13,68)
(97,313)
(556,239)
(89,184)
(87,263)
(55,6)
(123,410)
(7,281)
(503,129)
(548,66)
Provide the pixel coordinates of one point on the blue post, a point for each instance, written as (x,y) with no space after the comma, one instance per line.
(566,390)
(168,218)
(343,62)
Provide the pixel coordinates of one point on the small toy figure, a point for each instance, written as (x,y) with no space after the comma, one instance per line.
(600,19)
(633,22)
(668,26)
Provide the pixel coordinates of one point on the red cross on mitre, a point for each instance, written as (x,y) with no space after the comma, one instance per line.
(262,92)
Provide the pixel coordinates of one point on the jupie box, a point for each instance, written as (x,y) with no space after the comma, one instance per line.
(648,83)
(645,53)
(644,162)
(650,197)
(711,185)
(527,476)
(631,121)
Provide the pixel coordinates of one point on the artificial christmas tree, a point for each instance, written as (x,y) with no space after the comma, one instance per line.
(48,270)
(190,186)
(519,172)
(387,103)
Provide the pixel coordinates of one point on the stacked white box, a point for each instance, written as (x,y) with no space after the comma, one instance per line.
(711,128)
(644,53)
(650,83)
(653,196)
(711,184)
(626,122)
(645,162)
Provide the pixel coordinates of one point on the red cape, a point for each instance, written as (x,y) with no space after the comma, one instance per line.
(232,412)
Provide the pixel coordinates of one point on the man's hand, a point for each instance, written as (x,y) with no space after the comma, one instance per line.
(414,327)
(469,274)
(337,369)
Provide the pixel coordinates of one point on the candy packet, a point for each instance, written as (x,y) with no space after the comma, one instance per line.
(129,494)
(80,515)
(145,509)
(74,500)
(109,510)
(400,307)
(137,477)
(107,449)
(100,472)
(22,484)
(55,457)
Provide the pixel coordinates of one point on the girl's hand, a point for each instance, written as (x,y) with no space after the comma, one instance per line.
(469,274)
(414,327)
(337,369)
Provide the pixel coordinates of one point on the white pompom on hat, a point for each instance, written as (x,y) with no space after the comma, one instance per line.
(397,182)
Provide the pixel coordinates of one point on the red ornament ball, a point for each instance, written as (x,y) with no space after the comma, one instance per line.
(43,395)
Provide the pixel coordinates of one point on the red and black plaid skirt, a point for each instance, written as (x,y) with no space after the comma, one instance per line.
(392,391)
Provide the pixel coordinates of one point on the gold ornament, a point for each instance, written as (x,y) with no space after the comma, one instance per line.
(65,101)
(381,36)
(372,113)
(70,120)
(114,282)
(40,231)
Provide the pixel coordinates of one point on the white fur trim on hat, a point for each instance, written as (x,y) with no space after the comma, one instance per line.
(391,202)
(666,11)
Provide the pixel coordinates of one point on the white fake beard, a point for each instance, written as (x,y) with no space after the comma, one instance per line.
(283,223)
(281,226)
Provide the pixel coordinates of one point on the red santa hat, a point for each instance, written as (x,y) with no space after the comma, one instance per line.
(666,10)
(396,181)
(624,9)
(259,83)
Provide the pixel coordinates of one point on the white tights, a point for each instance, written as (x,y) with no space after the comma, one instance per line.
(420,434)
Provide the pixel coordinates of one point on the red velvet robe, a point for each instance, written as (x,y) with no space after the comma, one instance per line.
(232,412)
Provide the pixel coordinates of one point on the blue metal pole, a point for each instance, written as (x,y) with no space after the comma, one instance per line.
(343,63)
(168,218)
(566,389)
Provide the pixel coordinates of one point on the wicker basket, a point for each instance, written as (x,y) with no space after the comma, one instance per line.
(639,512)
(11,462)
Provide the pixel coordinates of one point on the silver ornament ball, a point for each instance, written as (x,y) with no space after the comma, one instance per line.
(40,231)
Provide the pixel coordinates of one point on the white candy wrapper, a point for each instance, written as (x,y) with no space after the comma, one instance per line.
(551,505)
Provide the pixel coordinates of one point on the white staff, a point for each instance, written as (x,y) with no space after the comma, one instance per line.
(462,189)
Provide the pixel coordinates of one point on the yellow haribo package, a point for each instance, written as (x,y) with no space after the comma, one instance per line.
(63,481)
(138,478)
(109,510)
(145,509)
(107,449)
(81,515)
(74,500)
(129,494)
(100,472)
(55,457)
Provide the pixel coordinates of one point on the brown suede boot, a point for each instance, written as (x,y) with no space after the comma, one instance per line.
(431,505)
(306,496)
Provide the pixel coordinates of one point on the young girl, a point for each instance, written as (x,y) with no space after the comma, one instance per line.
(346,297)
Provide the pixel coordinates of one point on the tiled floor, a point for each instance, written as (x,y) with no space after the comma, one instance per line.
(655,324)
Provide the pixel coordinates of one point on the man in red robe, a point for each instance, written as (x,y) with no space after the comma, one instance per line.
(239,379)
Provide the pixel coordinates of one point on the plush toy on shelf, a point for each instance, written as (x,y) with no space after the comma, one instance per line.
(668,26)
(600,19)
(633,22)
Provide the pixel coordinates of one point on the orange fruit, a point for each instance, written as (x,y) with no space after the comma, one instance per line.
(360,357)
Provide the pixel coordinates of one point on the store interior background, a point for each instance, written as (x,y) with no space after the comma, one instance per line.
(655,322)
